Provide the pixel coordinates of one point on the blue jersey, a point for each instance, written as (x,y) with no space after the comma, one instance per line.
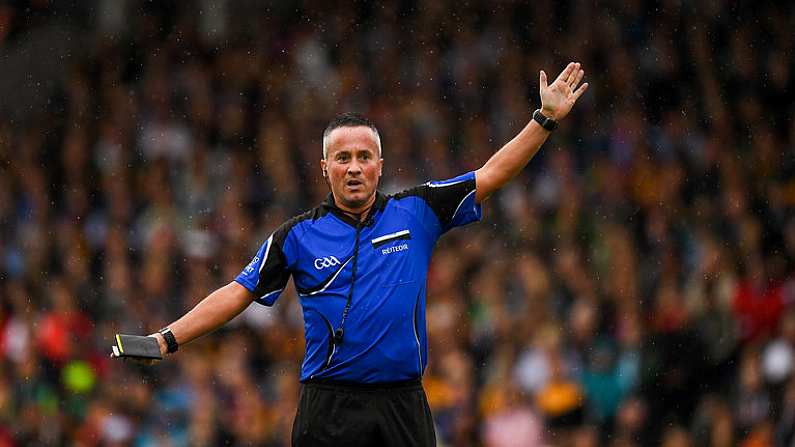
(384,330)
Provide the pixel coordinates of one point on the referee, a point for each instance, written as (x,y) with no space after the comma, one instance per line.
(359,261)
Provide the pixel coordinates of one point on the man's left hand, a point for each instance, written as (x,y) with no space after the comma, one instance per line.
(558,98)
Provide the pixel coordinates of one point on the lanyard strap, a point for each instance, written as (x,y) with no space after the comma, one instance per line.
(340,332)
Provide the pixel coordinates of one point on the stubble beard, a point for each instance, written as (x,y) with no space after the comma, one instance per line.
(356,203)
(349,202)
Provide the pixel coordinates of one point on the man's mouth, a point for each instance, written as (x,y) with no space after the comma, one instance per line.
(353,183)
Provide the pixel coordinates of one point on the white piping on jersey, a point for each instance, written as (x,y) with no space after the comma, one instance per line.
(441,185)
(333,351)
(267,251)
(264,260)
(417,338)
(461,203)
(270,293)
(331,280)
(390,236)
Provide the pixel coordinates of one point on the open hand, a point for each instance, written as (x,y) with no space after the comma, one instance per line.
(558,98)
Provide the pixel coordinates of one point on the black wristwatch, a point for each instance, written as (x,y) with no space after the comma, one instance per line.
(171,341)
(545,122)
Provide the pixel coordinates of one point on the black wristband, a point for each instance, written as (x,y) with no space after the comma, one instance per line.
(545,122)
(171,341)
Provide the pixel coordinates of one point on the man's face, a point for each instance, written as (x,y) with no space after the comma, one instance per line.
(353,165)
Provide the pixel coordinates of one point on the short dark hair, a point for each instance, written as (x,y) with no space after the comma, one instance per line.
(350,119)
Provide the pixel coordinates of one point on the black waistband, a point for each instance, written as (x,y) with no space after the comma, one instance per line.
(353,386)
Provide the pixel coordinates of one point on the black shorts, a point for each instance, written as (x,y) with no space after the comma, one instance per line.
(335,414)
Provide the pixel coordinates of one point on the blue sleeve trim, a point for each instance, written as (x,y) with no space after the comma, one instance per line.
(245,283)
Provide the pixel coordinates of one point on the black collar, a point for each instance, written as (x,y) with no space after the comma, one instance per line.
(329,205)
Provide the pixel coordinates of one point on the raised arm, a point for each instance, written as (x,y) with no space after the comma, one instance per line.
(213,311)
(557,100)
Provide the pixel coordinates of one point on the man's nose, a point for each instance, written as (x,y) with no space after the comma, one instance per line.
(354,168)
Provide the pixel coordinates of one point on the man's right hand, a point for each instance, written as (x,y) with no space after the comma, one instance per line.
(161,342)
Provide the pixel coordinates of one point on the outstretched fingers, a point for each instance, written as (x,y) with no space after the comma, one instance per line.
(576,79)
(573,74)
(580,91)
(564,75)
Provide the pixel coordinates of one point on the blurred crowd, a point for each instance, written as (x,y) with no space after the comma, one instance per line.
(634,286)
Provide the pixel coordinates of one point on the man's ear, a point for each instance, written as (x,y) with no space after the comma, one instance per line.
(380,166)
(323,168)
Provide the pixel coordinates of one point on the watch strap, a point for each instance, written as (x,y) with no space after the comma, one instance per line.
(545,122)
(171,341)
